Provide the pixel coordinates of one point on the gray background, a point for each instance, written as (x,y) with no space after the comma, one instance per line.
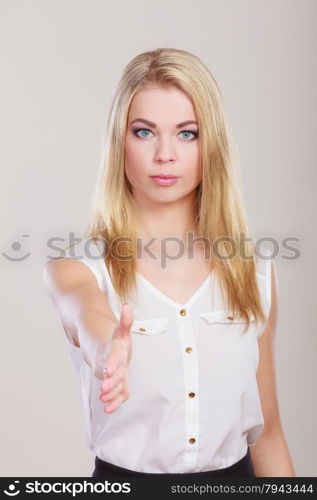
(60,62)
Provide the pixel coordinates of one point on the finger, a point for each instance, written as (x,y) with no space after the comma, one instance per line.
(126,318)
(114,359)
(113,406)
(109,383)
(112,394)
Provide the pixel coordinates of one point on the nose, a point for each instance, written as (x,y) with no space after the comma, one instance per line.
(165,151)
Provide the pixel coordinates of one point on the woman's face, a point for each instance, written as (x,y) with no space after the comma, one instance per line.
(162,144)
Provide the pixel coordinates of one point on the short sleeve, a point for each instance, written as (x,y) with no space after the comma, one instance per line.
(90,253)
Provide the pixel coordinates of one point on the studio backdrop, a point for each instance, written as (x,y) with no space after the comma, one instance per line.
(60,63)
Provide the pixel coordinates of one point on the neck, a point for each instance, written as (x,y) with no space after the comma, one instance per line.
(166,221)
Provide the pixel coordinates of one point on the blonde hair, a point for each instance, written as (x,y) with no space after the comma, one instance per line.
(219,210)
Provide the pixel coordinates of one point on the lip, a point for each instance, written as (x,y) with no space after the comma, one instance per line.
(164,180)
(165,176)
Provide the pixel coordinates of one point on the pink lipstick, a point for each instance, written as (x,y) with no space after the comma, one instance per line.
(164,180)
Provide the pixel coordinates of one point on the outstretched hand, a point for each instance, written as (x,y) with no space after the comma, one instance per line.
(115,387)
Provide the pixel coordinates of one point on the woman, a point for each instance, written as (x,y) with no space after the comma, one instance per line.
(180,379)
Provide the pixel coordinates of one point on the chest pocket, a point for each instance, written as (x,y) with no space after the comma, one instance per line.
(223,316)
(152,326)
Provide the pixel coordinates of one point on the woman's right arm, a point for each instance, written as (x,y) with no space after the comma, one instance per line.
(86,316)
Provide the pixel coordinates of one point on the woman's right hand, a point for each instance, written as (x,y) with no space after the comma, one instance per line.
(114,387)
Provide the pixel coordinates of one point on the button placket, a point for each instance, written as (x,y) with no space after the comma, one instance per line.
(190,363)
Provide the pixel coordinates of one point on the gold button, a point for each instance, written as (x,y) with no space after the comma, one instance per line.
(183,312)
(142,330)
(192,440)
(191,394)
(230,317)
(189,349)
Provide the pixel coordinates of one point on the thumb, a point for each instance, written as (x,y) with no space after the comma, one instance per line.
(126,318)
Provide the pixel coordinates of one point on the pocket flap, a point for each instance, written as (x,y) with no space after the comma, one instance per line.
(152,326)
(223,316)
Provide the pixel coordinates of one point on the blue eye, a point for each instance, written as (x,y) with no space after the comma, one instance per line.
(137,130)
(195,134)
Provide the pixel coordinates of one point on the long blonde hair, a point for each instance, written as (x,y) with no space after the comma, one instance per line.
(219,210)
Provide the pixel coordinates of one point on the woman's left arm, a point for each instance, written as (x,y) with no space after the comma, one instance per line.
(270,455)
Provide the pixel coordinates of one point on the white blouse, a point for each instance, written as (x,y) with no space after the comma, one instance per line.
(194,403)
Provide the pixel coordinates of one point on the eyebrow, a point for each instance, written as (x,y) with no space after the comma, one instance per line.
(153,125)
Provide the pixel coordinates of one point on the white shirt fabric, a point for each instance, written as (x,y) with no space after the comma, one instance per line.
(194,404)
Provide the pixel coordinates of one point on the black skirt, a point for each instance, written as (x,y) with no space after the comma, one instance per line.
(242,468)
